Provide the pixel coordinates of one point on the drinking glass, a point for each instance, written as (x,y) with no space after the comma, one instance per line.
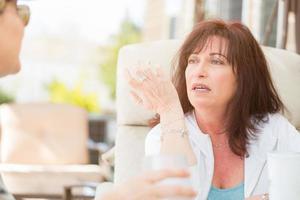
(160,162)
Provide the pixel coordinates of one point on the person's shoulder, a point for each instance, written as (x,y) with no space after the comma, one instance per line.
(275,123)
(277,119)
(266,133)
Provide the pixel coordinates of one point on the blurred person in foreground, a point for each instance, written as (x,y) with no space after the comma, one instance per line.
(13,19)
(220,109)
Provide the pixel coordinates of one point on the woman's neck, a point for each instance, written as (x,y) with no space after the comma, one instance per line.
(211,122)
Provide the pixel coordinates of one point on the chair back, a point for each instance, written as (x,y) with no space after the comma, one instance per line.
(43,133)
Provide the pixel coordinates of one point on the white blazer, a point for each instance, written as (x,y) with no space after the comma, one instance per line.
(277,134)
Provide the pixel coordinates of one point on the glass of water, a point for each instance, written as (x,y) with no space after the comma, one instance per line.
(159,162)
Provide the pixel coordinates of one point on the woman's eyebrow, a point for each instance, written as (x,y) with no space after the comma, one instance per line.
(219,54)
(193,55)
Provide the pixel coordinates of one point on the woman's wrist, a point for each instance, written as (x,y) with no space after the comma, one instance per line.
(171,111)
(168,106)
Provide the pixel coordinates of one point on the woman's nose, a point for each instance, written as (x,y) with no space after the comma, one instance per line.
(201,69)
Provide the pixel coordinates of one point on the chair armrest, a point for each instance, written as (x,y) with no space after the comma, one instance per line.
(109,156)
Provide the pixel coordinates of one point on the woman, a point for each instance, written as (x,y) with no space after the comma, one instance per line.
(221,111)
(13,19)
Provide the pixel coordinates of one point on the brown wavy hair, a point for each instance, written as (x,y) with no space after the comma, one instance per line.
(255,97)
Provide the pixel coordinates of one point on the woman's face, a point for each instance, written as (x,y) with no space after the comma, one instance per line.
(11,34)
(210,80)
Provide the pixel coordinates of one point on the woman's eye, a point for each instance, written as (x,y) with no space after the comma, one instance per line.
(217,62)
(191,61)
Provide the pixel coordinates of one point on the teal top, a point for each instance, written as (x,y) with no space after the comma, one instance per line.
(235,193)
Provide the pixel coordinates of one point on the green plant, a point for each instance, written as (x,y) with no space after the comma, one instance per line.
(129,33)
(60,93)
(5,97)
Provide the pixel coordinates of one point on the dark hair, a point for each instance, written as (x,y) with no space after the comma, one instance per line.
(255,97)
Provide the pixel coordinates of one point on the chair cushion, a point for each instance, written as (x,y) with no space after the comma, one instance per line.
(285,70)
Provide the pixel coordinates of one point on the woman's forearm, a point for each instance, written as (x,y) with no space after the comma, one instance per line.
(173,140)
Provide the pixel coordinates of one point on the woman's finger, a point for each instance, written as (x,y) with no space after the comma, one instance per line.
(161,73)
(136,97)
(142,75)
(163,191)
(149,73)
(131,80)
(127,74)
(159,175)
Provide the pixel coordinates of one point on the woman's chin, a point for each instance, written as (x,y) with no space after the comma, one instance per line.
(17,69)
(10,69)
(202,103)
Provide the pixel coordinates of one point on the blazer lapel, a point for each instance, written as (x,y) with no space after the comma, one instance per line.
(255,163)
(253,169)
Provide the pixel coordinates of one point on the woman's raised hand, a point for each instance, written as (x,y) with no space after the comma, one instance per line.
(152,88)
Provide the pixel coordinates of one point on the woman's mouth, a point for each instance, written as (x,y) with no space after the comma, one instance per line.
(201,88)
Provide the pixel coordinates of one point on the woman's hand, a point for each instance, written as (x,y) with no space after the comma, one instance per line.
(152,89)
(146,187)
(259,197)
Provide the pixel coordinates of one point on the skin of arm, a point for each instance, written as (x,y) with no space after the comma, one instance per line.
(173,142)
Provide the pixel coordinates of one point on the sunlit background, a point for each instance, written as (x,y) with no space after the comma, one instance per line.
(64,46)
(70,48)
(70,52)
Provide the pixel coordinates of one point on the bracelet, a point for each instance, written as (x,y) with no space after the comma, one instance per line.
(265,197)
(182,132)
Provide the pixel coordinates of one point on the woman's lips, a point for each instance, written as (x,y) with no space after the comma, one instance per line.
(200,88)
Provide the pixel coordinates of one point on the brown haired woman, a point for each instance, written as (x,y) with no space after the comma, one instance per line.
(221,111)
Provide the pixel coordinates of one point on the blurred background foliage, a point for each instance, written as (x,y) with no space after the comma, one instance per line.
(5,97)
(60,93)
(129,33)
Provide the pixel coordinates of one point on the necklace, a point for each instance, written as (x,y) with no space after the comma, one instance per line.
(220,145)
